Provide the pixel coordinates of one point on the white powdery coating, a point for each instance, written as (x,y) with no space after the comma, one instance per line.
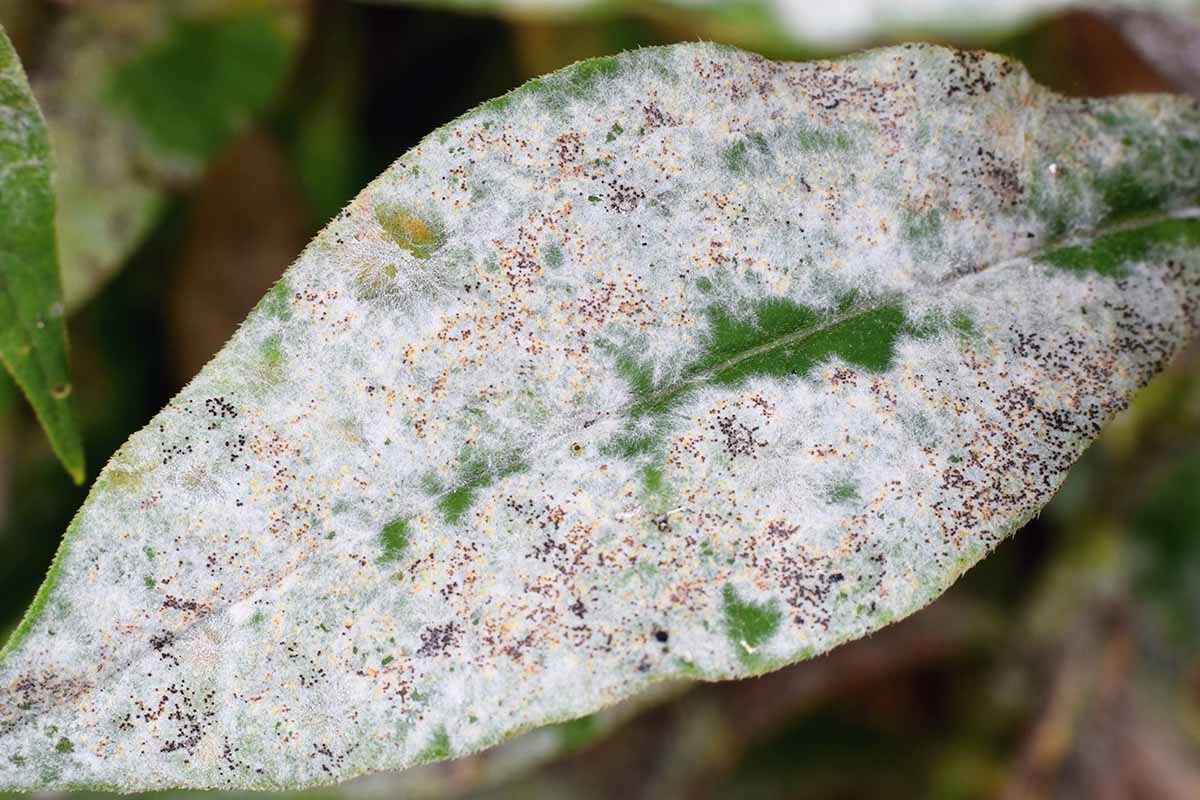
(518,433)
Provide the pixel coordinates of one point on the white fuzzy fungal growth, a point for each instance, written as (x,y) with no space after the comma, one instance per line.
(681,363)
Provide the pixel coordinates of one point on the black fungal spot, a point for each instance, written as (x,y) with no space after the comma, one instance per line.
(656,117)
(437,639)
(218,408)
(621,198)
(971,74)
(160,643)
(47,688)
(739,439)
(180,604)
(183,717)
(997,176)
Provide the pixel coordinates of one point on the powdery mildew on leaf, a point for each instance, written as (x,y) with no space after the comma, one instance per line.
(676,364)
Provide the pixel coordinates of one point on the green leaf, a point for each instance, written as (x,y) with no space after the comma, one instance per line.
(139,97)
(683,364)
(788,24)
(33,334)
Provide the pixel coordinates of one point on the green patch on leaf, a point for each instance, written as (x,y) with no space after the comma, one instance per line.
(1152,172)
(964,324)
(737,156)
(438,748)
(748,625)
(553,92)
(1126,191)
(866,339)
(656,495)
(821,140)
(923,230)
(632,444)
(844,493)
(1112,254)
(781,339)
(734,157)
(277,302)
(497,105)
(474,473)
(271,351)
(554,256)
(586,74)
(652,479)
(638,375)
(64,745)
(394,539)
(421,235)
(455,503)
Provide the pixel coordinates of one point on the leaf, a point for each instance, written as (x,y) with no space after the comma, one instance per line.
(520,758)
(140,96)
(676,364)
(33,335)
(788,24)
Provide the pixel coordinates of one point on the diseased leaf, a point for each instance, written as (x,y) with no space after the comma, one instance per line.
(675,364)
(33,335)
(491,770)
(139,97)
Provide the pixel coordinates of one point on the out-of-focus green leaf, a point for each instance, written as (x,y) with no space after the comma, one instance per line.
(328,140)
(1167,529)
(671,365)
(139,96)
(809,24)
(33,335)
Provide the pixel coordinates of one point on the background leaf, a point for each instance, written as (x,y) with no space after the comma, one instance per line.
(784,25)
(677,364)
(139,97)
(33,337)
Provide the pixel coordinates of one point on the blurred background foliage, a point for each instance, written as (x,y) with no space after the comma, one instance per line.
(201,143)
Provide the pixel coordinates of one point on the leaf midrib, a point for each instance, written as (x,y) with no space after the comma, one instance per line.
(700,377)
(880,301)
